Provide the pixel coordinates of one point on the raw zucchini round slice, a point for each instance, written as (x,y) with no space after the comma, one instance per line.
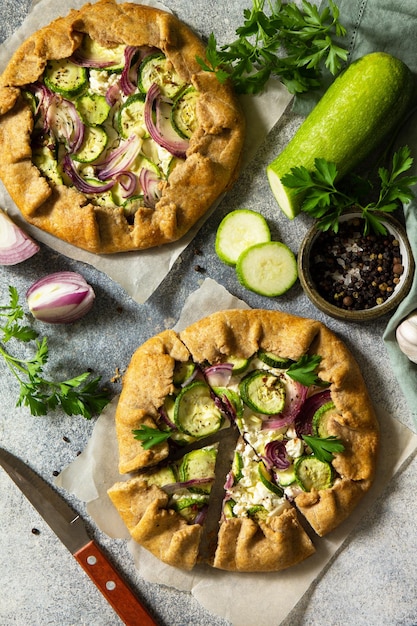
(45,160)
(311,473)
(198,465)
(182,372)
(95,141)
(273,360)
(163,476)
(239,364)
(131,205)
(263,392)
(93,108)
(237,232)
(268,269)
(231,396)
(321,417)
(65,78)
(195,412)
(155,68)
(130,119)
(188,506)
(114,57)
(183,114)
(267,481)
(286,477)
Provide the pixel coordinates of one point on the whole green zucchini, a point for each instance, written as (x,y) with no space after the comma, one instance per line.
(358,110)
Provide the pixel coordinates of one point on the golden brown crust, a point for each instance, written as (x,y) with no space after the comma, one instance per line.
(243,544)
(163,532)
(147,381)
(243,332)
(213,157)
(327,509)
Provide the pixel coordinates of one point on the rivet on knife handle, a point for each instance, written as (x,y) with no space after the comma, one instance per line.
(112,586)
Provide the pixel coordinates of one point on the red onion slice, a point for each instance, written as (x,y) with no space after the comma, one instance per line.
(201,515)
(64,122)
(218,375)
(128,79)
(128,182)
(164,138)
(164,416)
(119,159)
(194,482)
(60,298)
(276,455)
(113,94)
(303,422)
(149,182)
(79,182)
(15,245)
(79,59)
(295,398)
(44,97)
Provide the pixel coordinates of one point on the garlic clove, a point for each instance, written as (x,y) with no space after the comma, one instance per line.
(406,335)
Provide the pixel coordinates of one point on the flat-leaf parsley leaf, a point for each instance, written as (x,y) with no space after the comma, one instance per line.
(150,436)
(80,395)
(325,198)
(324,447)
(287,42)
(304,370)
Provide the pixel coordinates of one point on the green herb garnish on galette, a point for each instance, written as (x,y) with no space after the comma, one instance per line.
(258,416)
(113,137)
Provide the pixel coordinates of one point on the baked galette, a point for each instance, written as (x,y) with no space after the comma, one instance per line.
(236,432)
(112,136)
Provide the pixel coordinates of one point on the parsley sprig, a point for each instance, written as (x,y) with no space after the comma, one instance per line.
(325,199)
(304,370)
(150,436)
(287,42)
(80,395)
(324,447)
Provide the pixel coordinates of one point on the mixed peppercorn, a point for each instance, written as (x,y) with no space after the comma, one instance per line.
(355,271)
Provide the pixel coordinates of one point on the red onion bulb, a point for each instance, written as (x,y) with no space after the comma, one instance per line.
(15,245)
(60,298)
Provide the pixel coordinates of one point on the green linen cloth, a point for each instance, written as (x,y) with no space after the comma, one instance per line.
(388,26)
(404,369)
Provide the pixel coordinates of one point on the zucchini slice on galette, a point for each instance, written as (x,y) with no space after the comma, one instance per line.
(113,137)
(236,432)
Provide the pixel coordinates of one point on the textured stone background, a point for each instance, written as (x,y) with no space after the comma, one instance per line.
(372,581)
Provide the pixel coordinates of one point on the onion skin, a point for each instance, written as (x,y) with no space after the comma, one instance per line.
(15,245)
(60,298)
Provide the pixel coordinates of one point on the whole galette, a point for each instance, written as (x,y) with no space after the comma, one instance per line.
(112,136)
(244,439)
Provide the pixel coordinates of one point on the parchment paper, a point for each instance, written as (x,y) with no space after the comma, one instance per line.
(263,599)
(139,273)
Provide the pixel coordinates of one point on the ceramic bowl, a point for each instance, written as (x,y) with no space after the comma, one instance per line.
(306,271)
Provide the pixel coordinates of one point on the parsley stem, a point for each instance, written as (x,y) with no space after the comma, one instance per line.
(13,363)
(76,396)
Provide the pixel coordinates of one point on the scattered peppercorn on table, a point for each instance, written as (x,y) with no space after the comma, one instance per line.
(41,583)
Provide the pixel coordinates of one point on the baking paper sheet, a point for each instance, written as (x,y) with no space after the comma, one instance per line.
(264,599)
(139,273)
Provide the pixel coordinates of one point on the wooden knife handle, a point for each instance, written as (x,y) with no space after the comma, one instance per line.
(130,610)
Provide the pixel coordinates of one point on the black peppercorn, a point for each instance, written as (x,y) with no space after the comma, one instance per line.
(354,271)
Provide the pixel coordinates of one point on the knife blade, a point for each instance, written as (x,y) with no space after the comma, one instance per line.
(71,530)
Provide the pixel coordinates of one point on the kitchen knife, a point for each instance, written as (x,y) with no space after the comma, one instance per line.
(71,530)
